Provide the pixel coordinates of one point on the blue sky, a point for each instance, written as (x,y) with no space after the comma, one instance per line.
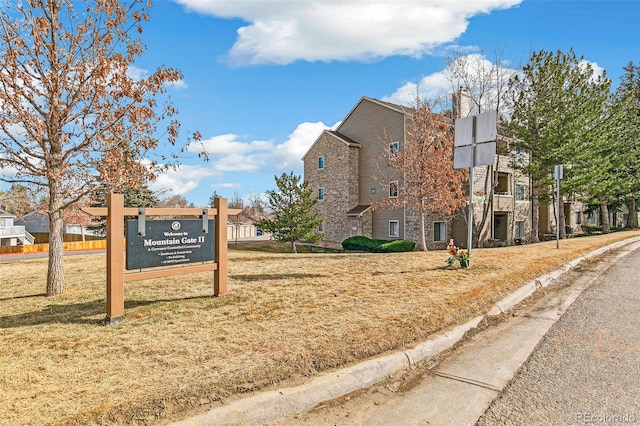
(263,78)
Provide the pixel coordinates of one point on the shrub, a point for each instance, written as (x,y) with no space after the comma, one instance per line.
(395,246)
(359,243)
(591,229)
(377,246)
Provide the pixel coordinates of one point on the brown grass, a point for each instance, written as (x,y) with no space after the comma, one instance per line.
(286,317)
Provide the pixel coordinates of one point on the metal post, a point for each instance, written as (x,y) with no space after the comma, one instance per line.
(558,174)
(558,215)
(473,162)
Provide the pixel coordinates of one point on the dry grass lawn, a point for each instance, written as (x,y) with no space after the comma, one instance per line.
(286,318)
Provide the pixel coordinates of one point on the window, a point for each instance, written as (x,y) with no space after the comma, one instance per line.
(578,218)
(394,147)
(393,189)
(591,217)
(521,157)
(439,231)
(320,193)
(502,188)
(521,192)
(519,230)
(320,163)
(321,227)
(394,228)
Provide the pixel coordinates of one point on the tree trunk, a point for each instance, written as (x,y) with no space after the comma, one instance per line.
(423,239)
(604,214)
(632,218)
(55,271)
(293,247)
(561,219)
(535,212)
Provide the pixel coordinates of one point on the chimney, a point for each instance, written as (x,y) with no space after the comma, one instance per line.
(462,103)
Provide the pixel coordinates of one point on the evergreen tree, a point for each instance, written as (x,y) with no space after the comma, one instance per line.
(625,129)
(557,102)
(213,197)
(293,220)
(140,196)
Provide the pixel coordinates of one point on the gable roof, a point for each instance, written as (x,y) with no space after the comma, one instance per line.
(5,214)
(34,222)
(359,210)
(342,138)
(384,104)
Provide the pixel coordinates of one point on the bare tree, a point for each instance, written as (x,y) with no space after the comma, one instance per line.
(72,114)
(423,167)
(257,204)
(484,84)
(176,201)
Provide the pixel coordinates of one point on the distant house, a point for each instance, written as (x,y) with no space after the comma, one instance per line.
(36,223)
(241,226)
(12,234)
(341,166)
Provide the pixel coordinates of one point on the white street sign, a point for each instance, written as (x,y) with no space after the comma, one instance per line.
(463,131)
(486,127)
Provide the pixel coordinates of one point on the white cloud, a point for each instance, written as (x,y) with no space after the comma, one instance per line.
(289,154)
(281,32)
(597,70)
(479,75)
(431,87)
(229,153)
(183,179)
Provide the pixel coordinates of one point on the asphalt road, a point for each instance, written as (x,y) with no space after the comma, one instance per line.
(570,354)
(44,254)
(586,370)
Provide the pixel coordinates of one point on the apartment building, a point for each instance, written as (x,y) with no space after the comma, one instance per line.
(343,167)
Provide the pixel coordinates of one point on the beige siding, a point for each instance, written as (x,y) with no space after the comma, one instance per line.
(367,125)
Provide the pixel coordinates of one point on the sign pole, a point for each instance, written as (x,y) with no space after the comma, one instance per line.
(470,224)
(558,172)
(474,145)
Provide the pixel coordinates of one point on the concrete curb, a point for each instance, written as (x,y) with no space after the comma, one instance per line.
(272,405)
(546,280)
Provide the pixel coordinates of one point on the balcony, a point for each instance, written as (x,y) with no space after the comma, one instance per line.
(503,202)
(18,232)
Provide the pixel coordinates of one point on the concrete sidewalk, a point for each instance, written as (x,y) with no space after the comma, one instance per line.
(460,389)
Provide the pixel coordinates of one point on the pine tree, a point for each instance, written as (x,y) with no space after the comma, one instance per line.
(291,205)
(557,100)
(625,131)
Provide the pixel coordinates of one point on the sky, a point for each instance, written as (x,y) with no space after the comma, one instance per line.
(263,78)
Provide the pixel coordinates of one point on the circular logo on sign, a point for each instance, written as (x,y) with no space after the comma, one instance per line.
(175,225)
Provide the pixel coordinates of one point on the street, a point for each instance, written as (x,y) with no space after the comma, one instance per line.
(587,368)
(576,345)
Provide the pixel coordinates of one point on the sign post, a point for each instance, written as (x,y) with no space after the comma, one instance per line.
(474,145)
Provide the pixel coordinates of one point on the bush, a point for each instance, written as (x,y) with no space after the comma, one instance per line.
(395,246)
(592,229)
(359,243)
(377,246)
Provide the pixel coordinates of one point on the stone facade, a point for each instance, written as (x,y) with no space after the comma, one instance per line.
(331,166)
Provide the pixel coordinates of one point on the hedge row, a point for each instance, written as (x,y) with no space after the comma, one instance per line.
(377,246)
